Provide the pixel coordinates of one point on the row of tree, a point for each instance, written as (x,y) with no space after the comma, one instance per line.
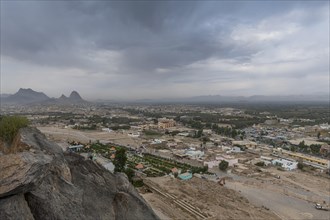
(228,131)
(302,147)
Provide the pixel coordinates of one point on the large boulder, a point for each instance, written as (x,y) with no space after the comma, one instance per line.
(15,207)
(22,172)
(44,183)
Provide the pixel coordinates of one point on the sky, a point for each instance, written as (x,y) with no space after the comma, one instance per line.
(165,49)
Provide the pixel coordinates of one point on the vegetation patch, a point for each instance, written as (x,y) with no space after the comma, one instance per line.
(9,126)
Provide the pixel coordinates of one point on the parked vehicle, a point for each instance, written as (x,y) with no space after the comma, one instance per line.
(320,207)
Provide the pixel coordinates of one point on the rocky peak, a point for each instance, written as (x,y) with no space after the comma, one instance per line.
(39,181)
(63,97)
(22,90)
(75,96)
(24,96)
(30,92)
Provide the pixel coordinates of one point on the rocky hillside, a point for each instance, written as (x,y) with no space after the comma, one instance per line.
(29,96)
(25,96)
(39,181)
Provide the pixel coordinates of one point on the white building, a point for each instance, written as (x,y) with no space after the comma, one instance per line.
(285,163)
(194,154)
(211,164)
(183,134)
(107,130)
(157,141)
(135,134)
(234,150)
(325,126)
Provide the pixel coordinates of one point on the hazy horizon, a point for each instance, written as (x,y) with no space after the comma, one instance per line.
(306,97)
(154,50)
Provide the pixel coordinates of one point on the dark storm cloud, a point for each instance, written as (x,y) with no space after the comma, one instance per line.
(54,33)
(159,39)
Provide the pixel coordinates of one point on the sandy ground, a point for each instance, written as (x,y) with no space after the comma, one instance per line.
(67,134)
(216,201)
(286,207)
(293,196)
(229,202)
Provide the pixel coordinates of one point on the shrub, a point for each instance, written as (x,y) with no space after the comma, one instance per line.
(260,164)
(138,183)
(130,173)
(223,165)
(9,126)
(120,160)
(300,165)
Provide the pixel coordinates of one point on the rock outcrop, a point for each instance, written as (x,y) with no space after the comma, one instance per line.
(25,96)
(39,181)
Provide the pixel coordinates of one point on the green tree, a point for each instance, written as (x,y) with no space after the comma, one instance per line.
(130,174)
(302,144)
(223,165)
(205,139)
(300,165)
(9,126)
(199,133)
(318,135)
(293,148)
(315,148)
(120,160)
(260,164)
(234,133)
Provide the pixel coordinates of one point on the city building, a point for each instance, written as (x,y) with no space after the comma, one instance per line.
(164,123)
(307,159)
(194,154)
(285,163)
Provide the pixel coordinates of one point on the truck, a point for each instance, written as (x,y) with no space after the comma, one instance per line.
(320,207)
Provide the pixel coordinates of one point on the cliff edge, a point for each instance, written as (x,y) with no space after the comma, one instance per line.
(39,181)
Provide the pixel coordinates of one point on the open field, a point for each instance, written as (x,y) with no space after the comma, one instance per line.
(291,197)
(63,134)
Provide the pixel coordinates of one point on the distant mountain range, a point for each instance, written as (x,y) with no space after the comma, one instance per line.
(4,95)
(242,99)
(261,98)
(29,96)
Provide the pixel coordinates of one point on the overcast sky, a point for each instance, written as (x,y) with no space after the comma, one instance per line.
(158,49)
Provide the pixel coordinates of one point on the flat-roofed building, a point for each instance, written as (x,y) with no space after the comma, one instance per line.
(164,123)
(285,163)
(308,159)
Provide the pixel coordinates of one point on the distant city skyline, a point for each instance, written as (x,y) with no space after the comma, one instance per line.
(159,49)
